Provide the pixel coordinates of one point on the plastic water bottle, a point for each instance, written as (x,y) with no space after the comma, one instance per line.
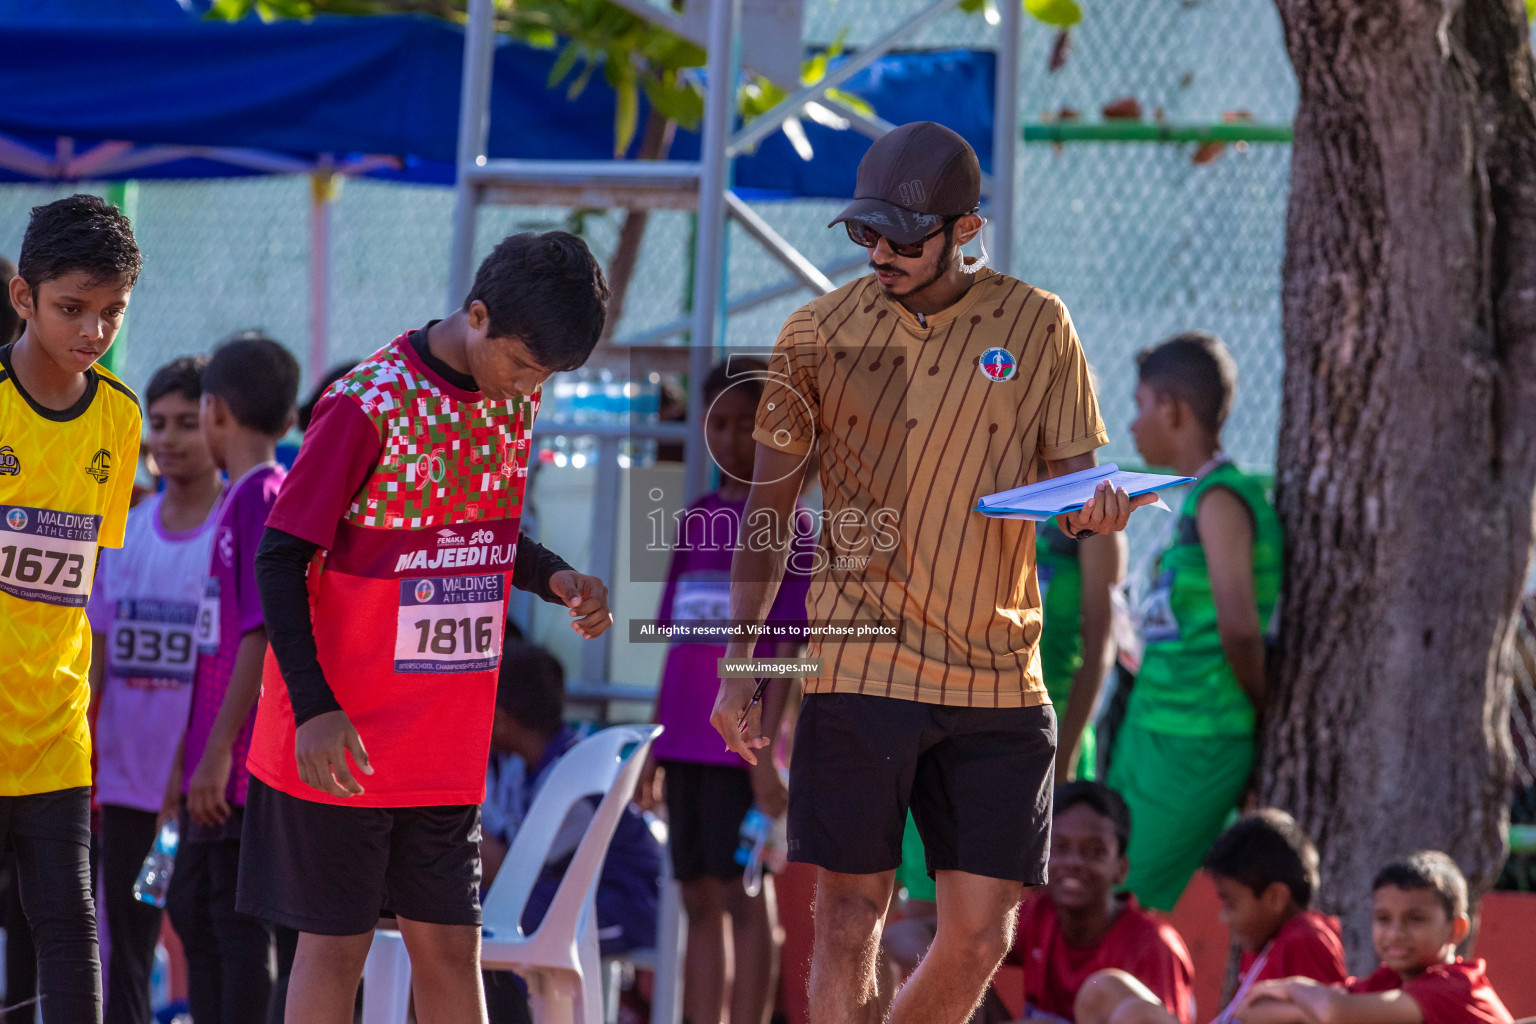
(755,829)
(155,876)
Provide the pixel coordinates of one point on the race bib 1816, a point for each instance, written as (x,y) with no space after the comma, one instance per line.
(152,642)
(450,624)
(46,555)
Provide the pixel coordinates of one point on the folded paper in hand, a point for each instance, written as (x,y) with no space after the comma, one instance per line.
(1050,498)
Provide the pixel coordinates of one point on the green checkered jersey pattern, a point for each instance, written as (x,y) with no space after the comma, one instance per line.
(444,460)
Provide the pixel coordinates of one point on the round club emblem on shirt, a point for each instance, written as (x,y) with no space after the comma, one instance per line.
(998,364)
(424,591)
(16,519)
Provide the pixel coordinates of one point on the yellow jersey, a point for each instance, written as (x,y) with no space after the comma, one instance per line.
(66,477)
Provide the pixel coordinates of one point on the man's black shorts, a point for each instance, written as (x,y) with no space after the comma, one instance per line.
(330,870)
(705,806)
(977,780)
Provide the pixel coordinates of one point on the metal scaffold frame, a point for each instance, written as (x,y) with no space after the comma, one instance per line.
(703,185)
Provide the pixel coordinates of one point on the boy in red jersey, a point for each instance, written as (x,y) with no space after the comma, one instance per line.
(1265,869)
(1080,925)
(1419,918)
(402,510)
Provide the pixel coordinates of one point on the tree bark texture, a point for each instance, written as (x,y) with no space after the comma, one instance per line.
(1407,451)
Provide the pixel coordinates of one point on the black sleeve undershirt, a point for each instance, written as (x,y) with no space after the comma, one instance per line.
(282,565)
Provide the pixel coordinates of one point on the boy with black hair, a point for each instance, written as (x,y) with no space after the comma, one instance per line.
(528,738)
(143,615)
(249,389)
(1081,924)
(1265,869)
(384,572)
(1184,753)
(1420,917)
(69,439)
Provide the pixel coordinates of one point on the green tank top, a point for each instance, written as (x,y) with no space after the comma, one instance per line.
(1060,576)
(1185,686)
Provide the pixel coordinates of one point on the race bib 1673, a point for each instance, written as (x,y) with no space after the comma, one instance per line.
(450,624)
(47,556)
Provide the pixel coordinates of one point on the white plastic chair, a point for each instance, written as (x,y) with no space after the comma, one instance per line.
(560,959)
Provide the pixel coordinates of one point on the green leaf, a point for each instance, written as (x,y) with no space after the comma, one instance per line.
(563,65)
(1530,10)
(851,101)
(581,80)
(973,6)
(1061,13)
(616,67)
(541,38)
(626,116)
(679,103)
(271,10)
(835,48)
(230,10)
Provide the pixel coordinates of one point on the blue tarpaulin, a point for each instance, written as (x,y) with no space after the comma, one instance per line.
(147,72)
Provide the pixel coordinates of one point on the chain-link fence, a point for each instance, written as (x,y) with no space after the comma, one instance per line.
(1140,239)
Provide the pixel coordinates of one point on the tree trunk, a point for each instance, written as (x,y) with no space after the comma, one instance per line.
(1407,452)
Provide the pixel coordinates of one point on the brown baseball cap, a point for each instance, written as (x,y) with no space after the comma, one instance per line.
(912,178)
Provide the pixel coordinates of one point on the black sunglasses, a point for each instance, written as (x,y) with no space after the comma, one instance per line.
(868,237)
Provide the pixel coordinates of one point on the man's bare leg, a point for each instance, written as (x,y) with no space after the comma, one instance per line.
(976,921)
(850,911)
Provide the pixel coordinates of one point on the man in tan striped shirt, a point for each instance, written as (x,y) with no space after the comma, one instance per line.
(921,387)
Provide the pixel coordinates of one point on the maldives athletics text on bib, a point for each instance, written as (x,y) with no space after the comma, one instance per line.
(409,603)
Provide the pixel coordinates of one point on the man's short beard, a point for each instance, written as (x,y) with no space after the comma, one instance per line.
(946,260)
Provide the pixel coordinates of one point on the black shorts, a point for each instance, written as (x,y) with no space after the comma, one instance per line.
(977,780)
(331,870)
(705,806)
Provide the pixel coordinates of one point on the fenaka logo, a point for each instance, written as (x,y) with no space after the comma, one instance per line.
(424,591)
(446,536)
(16,519)
(101,466)
(10,465)
(911,193)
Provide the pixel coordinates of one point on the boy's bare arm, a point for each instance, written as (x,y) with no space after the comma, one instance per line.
(1225,525)
(205,792)
(1275,1011)
(1103,563)
(1325,1004)
(756,571)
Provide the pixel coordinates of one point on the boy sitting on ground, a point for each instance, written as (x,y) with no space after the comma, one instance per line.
(1080,924)
(1419,918)
(1265,870)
